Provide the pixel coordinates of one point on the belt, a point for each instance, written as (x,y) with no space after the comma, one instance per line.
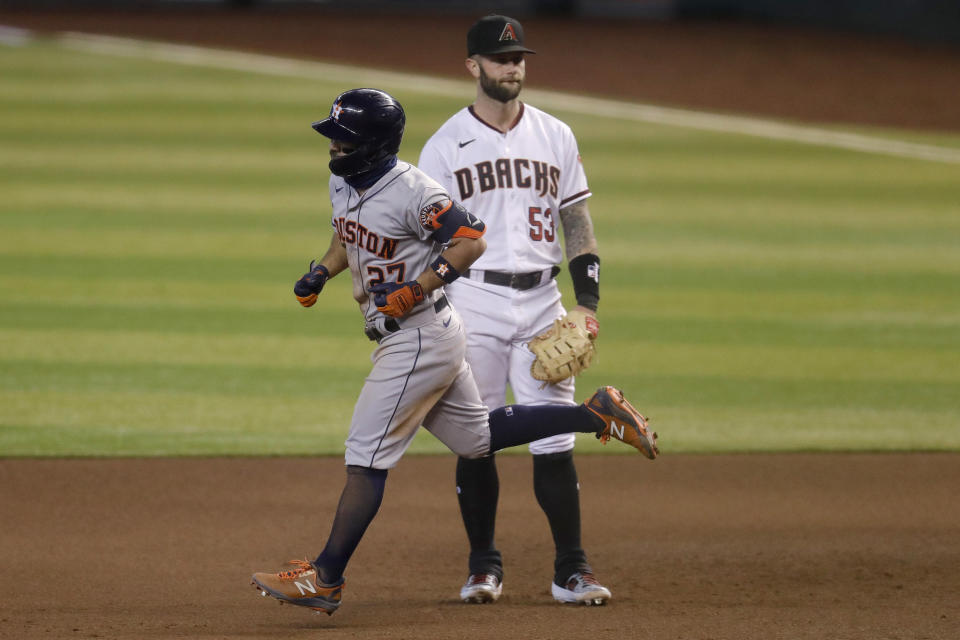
(391,325)
(520,281)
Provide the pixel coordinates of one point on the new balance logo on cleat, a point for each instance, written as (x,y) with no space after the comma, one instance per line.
(301,586)
(304,587)
(622,421)
(617,430)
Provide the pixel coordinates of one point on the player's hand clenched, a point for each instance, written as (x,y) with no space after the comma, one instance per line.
(396,298)
(310,284)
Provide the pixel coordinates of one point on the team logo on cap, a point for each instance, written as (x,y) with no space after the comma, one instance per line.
(508,35)
(336,111)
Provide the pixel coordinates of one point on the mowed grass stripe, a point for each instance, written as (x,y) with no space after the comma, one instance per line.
(781,278)
(789,362)
(155,271)
(299,209)
(160,201)
(132,243)
(32,226)
(177,220)
(134,439)
(155,423)
(134,159)
(768,331)
(281,351)
(189,320)
(67,422)
(283,383)
(937,257)
(233,427)
(892,307)
(286,385)
(729,429)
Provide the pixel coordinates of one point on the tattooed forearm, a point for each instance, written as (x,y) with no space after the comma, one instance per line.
(577,230)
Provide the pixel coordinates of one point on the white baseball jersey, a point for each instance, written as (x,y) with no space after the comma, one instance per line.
(516,182)
(525,176)
(420,375)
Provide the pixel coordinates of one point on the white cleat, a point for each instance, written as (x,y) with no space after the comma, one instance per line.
(481,588)
(581,588)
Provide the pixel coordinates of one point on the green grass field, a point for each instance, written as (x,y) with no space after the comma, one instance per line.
(757,295)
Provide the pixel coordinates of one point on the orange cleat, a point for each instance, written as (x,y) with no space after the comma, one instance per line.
(622,421)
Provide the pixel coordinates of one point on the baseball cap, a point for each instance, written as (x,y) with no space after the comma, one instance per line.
(495,34)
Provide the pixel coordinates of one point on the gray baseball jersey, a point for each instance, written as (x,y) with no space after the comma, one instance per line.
(420,375)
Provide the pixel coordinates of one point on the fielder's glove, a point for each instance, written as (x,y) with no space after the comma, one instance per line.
(396,298)
(566,349)
(311,284)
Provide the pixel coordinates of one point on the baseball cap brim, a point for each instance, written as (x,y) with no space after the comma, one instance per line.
(507,48)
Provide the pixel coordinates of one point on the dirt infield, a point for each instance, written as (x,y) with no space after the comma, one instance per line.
(693,547)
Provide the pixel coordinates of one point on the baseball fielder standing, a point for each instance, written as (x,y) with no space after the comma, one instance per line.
(519,170)
(402,238)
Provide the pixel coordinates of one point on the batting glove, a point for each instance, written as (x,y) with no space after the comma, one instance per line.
(396,298)
(311,284)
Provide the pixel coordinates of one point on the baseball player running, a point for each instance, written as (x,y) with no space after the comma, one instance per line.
(519,169)
(402,237)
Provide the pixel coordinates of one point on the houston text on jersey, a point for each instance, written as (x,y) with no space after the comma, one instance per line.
(352,232)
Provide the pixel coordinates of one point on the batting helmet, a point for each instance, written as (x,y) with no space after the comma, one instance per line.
(368,118)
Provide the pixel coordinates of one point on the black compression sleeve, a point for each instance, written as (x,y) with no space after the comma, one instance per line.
(585,271)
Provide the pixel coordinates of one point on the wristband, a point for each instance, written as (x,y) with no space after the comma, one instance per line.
(585,272)
(444,270)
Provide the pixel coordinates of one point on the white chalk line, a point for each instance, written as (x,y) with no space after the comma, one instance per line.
(274,65)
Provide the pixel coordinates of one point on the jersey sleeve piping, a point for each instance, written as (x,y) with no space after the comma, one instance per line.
(575,198)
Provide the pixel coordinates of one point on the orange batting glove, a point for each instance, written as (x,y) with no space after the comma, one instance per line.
(396,299)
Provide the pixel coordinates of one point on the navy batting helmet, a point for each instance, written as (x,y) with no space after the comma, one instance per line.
(368,118)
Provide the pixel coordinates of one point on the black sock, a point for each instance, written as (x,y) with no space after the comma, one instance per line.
(558,492)
(478,487)
(359,503)
(519,424)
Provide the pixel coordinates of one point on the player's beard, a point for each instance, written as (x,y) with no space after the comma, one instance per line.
(499,92)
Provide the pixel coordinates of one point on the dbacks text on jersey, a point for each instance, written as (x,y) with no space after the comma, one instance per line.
(352,232)
(507,173)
